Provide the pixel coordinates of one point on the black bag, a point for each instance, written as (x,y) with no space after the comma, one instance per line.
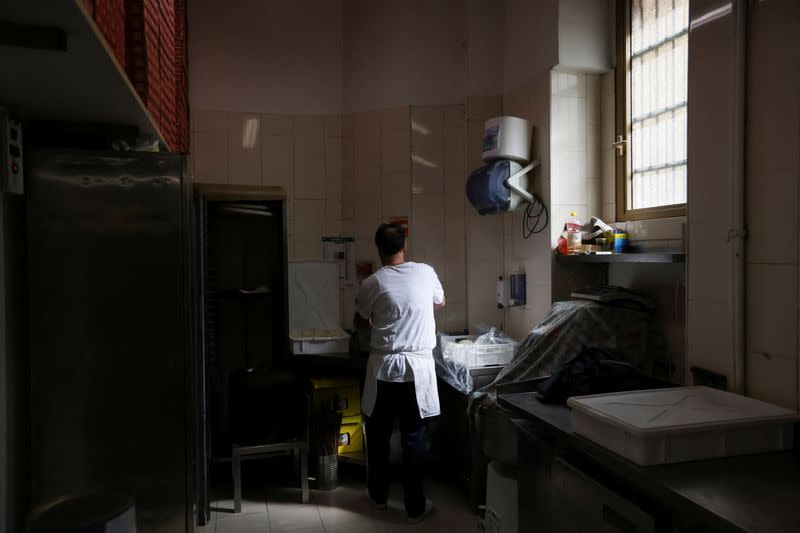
(592,371)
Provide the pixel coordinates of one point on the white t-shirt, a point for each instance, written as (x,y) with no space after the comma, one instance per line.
(399,300)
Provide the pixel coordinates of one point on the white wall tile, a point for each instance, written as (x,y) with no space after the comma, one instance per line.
(594,161)
(333,185)
(474,145)
(708,337)
(277,152)
(772,378)
(593,100)
(455,316)
(367,186)
(568,124)
(309,228)
(482,108)
(771,208)
(395,151)
(276,124)
(485,264)
(517,103)
(396,119)
(454,163)
(210,146)
(396,195)
(348,178)
(707,271)
(594,197)
(427,172)
(348,306)
(568,177)
(772,309)
(657,229)
(309,157)
(427,128)
(567,84)
(244,149)
(333,126)
(609,212)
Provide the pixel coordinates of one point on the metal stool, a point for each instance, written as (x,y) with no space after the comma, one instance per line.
(297,447)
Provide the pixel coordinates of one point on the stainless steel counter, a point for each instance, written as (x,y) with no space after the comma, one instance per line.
(755,493)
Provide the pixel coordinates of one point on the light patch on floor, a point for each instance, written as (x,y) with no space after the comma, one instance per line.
(344,509)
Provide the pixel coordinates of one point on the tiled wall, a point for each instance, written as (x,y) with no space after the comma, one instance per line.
(413,162)
(709,332)
(484,234)
(584,181)
(574,153)
(280,56)
(605,148)
(771,202)
(376,180)
(302,154)
(772,173)
(533,255)
(438,222)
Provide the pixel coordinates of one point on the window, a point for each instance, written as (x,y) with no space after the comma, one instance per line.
(652,73)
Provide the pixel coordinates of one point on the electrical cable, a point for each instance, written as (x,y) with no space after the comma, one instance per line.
(527,228)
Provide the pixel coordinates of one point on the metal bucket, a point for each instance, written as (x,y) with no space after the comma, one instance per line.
(327,472)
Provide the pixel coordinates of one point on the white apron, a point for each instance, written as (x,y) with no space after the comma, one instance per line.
(424,369)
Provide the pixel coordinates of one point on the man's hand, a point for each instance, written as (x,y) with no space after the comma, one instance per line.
(359,322)
(437,307)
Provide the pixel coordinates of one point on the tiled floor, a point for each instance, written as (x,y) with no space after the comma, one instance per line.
(342,510)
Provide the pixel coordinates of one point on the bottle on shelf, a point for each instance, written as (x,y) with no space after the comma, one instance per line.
(574,231)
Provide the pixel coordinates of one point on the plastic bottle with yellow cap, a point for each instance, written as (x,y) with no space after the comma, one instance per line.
(574,235)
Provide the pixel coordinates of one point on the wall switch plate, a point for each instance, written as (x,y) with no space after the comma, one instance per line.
(11,167)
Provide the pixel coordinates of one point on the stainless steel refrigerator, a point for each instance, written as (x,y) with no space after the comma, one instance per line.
(112,359)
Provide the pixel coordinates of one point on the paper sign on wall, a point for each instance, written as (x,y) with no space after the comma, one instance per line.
(341,250)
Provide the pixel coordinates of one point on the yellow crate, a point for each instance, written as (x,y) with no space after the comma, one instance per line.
(336,395)
(351,435)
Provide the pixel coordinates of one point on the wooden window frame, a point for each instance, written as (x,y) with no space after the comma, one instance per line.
(622,130)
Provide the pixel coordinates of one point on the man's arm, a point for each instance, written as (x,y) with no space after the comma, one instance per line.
(360,322)
(436,306)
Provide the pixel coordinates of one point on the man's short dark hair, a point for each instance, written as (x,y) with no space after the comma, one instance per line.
(390,239)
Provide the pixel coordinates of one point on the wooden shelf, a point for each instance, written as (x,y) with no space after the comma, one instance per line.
(83,83)
(633,257)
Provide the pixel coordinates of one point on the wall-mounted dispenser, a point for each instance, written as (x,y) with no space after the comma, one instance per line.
(502,184)
(518,291)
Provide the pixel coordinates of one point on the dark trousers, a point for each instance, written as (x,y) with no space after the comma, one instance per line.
(396,401)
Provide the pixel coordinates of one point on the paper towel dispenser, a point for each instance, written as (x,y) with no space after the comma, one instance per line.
(502,184)
(499,187)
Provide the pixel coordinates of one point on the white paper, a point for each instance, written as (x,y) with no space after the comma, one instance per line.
(341,250)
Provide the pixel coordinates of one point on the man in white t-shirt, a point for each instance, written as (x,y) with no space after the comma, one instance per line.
(398,302)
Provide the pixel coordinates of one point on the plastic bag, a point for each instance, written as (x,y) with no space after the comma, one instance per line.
(492,336)
(456,355)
